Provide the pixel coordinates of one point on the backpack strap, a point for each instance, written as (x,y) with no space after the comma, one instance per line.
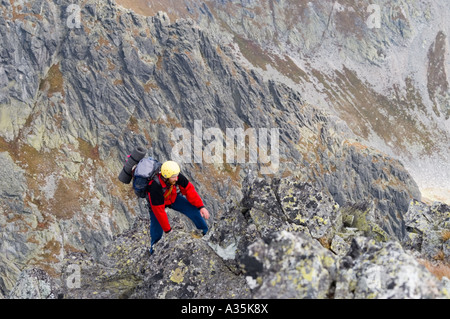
(156,179)
(169,192)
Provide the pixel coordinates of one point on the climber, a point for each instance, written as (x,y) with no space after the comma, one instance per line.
(162,192)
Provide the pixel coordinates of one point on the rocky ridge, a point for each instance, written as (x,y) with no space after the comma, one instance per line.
(74,101)
(252,252)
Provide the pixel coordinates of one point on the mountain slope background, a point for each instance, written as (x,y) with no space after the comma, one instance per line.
(381,66)
(76,96)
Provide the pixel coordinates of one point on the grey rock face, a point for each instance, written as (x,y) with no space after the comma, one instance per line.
(182,266)
(289,265)
(34,284)
(384,271)
(75,101)
(427,228)
(186,267)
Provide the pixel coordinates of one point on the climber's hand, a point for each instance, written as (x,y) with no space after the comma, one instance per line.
(204,212)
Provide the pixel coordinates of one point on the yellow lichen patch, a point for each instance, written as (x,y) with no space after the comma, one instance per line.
(276,280)
(300,218)
(177,275)
(327,261)
(308,275)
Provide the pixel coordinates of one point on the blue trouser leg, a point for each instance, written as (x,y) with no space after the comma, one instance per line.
(182,205)
(156,230)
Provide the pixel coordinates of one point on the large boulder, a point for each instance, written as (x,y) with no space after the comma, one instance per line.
(289,265)
(384,271)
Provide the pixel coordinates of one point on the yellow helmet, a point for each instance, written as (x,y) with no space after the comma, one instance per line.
(169,168)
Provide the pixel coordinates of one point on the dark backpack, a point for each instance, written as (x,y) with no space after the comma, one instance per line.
(145,171)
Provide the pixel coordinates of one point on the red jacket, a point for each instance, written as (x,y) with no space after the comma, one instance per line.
(159,196)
